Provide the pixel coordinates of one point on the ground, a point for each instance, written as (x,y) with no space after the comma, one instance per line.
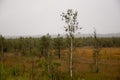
(17,66)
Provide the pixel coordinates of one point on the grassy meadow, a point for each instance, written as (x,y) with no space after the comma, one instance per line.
(18,67)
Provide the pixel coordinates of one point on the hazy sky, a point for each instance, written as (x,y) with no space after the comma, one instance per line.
(34,17)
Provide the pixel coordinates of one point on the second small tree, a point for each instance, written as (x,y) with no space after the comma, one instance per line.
(96,53)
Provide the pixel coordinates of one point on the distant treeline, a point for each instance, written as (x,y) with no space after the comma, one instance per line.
(42,42)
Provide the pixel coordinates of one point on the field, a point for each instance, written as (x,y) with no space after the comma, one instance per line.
(18,67)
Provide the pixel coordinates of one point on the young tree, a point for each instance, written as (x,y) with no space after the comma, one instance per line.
(96,52)
(1,55)
(58,45)
(70,18)
(45,45)
(1,48)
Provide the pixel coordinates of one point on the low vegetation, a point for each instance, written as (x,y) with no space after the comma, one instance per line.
(29,59)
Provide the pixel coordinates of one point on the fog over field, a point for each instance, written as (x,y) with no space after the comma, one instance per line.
(38,17)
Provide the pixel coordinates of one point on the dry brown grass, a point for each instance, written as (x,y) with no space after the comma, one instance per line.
(109,62)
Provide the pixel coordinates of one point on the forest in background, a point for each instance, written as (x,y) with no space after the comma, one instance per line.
(47,58)
(24,43)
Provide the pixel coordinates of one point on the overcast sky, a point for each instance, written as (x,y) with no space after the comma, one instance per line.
(34,17)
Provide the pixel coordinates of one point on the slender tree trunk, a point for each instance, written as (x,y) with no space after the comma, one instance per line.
(2,60)
(48,60)
(96,63)
(71,58)
(0,67)
(59,53)
(2,57)
(32,73)
(19,62)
